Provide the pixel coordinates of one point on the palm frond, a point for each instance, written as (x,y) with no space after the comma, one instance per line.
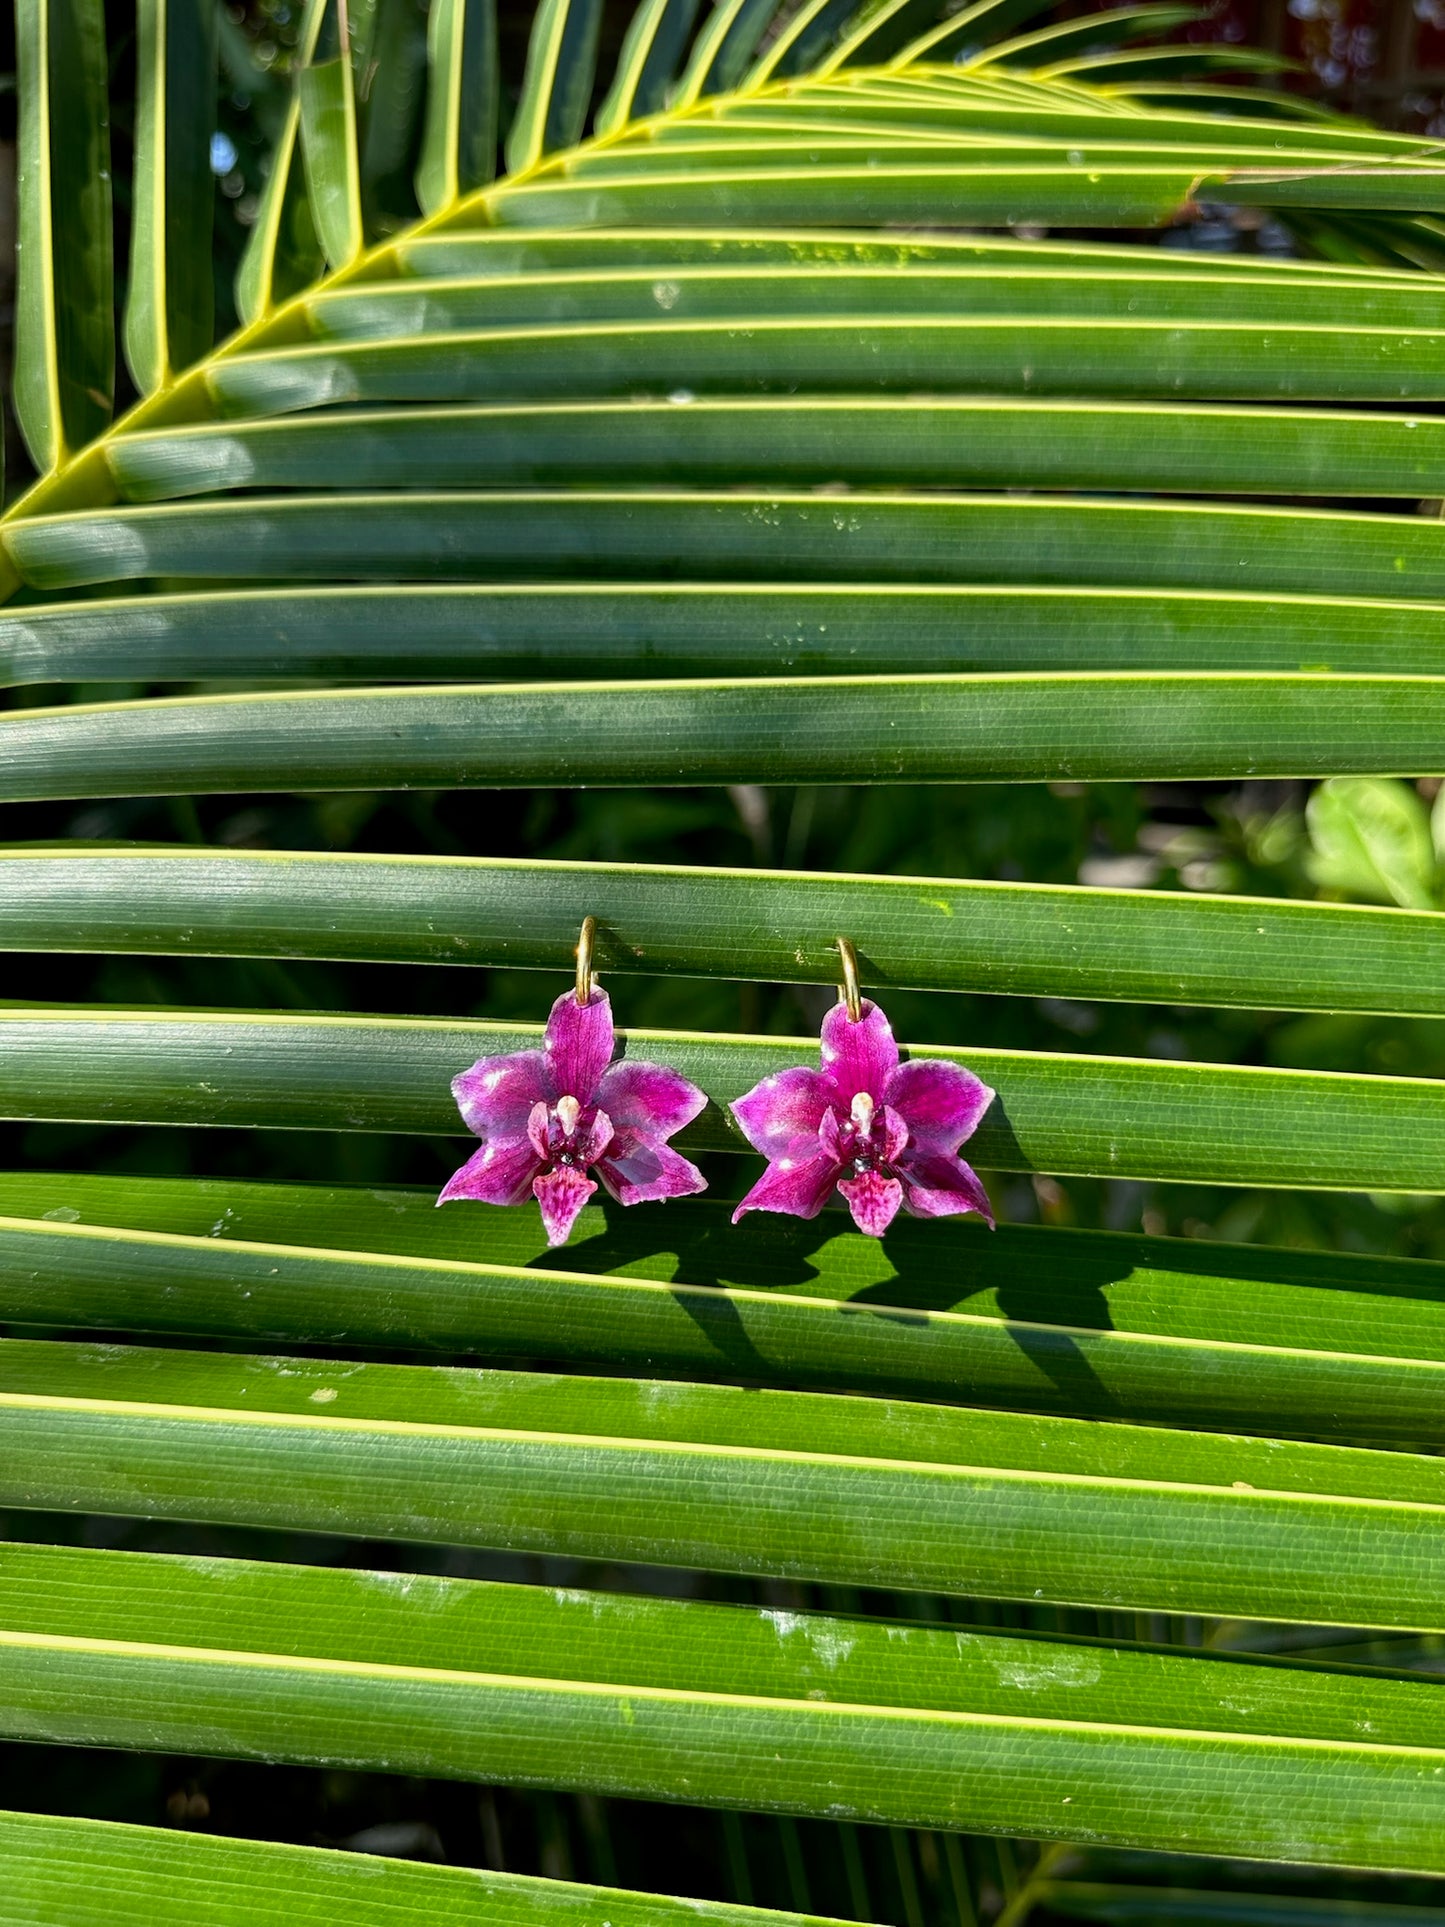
(169,319)
(91,1872)
(675,425)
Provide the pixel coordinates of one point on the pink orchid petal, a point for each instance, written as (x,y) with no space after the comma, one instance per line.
(787,1105)
(538,1135)
(579,1044)
(561,1194)
(652,1098)
(831,1136)
(858,1057)
(593,1138)
(890,1134)
(935,1186)
(643,1172)
(940,1103)
(799,1183)
(873,1200)
(495,1097)
(500,1173)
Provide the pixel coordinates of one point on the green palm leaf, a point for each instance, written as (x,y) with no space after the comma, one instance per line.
(1051,1320)
(628,1694)
(329,136)
(92,1870)
(284,252)
(557,90)
(1069,1114)
(922,933)
(169,309)
(459,148)
(672,426)
(64,329)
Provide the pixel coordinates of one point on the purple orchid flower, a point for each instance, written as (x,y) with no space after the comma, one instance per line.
(548,1117)
(882,1133)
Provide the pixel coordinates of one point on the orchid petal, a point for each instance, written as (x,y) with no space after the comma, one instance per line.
(651,1098)
(940,1103)
(940,1187)
(500,1173)
(593,1138)
(495,1097)
(579,1043)
(639,1171)
(799,1183)
(890,1134)
(873,1200)
(538,1135)
(858,1056)
(787,1105)
(561,1195)
(831,1136)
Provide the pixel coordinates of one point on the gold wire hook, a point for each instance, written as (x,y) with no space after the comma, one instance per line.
(586,982)
(851,994)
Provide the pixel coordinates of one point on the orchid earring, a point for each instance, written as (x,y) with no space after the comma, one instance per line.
(881,1133)
(547,1117)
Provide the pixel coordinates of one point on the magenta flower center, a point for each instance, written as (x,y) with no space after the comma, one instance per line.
(867,1139)
(567,1135)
